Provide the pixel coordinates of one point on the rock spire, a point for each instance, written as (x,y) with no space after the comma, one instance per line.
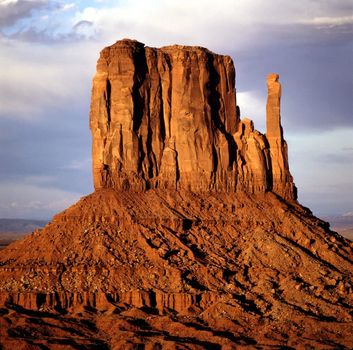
(282,181)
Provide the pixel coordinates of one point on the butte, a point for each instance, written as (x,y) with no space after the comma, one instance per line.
(193,237)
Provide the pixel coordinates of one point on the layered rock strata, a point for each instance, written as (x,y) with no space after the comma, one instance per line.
(167,118)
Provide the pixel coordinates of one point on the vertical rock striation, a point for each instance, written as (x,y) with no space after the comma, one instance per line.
(167,118)
(163,118)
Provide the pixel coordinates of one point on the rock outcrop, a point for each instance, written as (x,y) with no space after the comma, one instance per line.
(167,118)
(192,238)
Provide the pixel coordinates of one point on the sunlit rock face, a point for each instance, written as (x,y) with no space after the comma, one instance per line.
(167,118)
(192,237)
(282,181)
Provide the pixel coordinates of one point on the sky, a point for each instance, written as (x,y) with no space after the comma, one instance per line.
(48,53)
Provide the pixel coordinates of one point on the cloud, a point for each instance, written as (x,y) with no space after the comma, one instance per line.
(11,11)
(84,29)
(37,79)
(45,21)
(67,7)
(240,23)
(253,106)
(328,21)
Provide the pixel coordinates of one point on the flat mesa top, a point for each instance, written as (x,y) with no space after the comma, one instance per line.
(131,43)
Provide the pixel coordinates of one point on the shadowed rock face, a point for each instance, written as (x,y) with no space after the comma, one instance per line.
(167,118)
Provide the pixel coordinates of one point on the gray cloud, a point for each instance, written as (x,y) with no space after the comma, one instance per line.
(83,24)
(246,24)
(13,11)
(34,35)
(48,37)
(84,30)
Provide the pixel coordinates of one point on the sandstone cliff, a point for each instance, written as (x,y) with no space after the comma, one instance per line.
(192,237)
(167,118)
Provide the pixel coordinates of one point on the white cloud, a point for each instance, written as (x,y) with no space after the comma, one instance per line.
(67,7)
(253,106)
(35,78)
(328,21)
(161,23)
(239,24)
(7,2)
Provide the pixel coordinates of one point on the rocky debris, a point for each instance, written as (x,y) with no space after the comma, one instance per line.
(167,118)
(193,237)
(215,260)
(124,327)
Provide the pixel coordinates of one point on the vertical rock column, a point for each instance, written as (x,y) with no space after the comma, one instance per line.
(282,181)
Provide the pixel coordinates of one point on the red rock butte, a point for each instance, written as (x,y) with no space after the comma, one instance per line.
(167,118)
(193,237)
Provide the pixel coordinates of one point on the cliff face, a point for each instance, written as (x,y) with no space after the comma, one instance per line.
(167,118)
